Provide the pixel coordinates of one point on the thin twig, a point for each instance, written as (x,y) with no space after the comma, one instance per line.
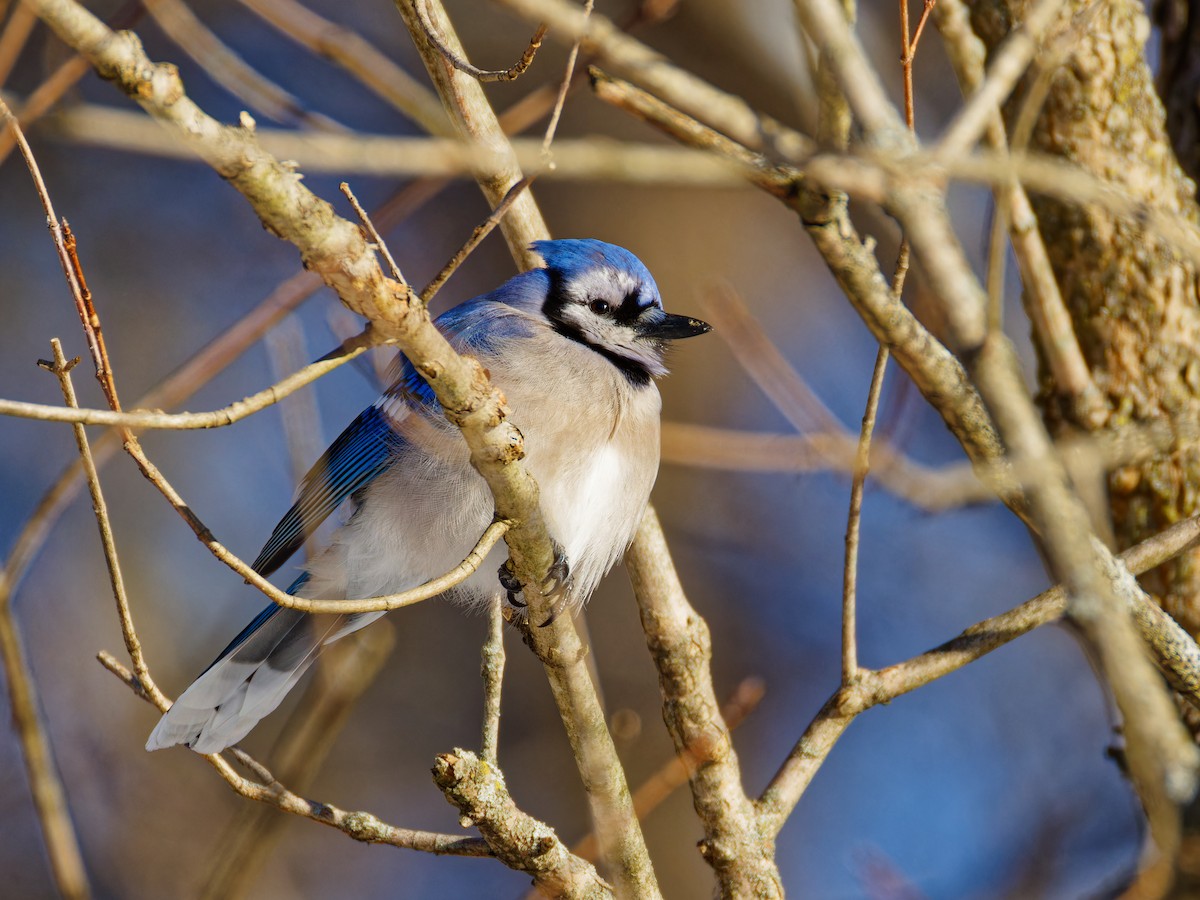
(482,230)
(141,671)
(513,72)
(358,56)
(565,86)
(87,314)
(379,243)
(854,521)
(491,668)
(216,418)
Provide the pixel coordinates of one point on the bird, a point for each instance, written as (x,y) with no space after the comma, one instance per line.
(575,346)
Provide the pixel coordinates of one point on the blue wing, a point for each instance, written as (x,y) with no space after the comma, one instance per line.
(360,453)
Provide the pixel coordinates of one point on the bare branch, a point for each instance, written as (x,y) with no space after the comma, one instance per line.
(563,88)
(575,159)
(482,230)
(369,226)
(681,647)
(1181,664)
(518,840)
(217,418)
(491,669)
(862,457)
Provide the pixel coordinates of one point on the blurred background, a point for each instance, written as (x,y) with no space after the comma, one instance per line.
(993,782)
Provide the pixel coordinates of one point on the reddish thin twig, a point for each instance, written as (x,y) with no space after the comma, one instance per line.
(91,321)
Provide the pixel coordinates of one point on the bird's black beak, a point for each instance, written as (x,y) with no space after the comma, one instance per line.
(672,328)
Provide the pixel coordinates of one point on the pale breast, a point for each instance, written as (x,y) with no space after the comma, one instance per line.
(592,443)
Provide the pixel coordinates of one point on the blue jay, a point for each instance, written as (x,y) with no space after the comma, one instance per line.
(575,347)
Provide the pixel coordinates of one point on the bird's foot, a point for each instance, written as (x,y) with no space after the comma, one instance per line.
(556,586)
(511,584)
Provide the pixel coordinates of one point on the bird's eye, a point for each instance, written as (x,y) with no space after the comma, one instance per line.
(599,307)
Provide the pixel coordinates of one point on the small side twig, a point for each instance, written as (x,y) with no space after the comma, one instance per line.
(141,671)
(482,230)
(1177,654)
(512,73)
(565,86)
(373,234)
(862,465)
(217,418)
